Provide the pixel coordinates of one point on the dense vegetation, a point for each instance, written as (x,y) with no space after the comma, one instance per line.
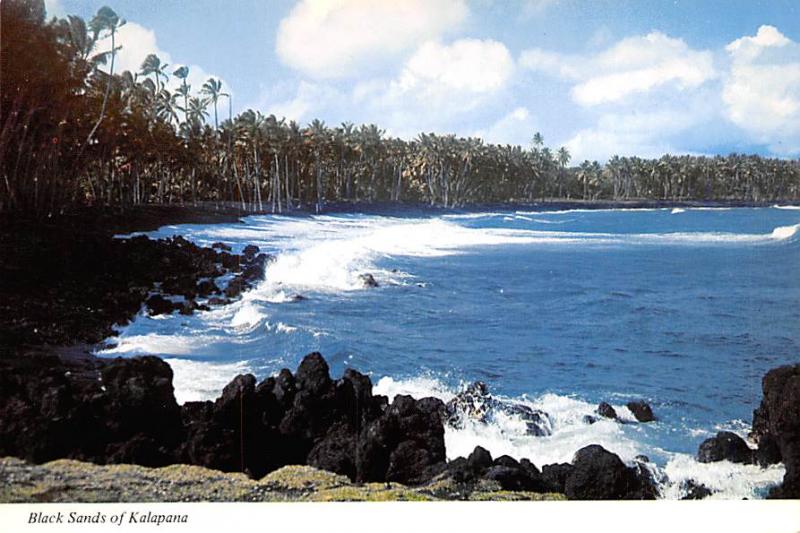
(75,134)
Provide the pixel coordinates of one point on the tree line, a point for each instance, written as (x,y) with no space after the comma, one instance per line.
(76,132)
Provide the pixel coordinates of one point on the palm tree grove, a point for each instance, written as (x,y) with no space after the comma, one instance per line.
(76,132)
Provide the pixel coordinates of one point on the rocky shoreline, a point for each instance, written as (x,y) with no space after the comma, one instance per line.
(68,286)
(123,411)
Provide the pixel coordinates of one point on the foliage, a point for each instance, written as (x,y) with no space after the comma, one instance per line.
(73,133)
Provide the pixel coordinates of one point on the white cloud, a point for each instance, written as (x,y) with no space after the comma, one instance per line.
(643,133)
(468,66)
(762,91)
(137,42)
(632,66)
(335,38)
(309,98)
(438,84)
(516,127)
(54,9)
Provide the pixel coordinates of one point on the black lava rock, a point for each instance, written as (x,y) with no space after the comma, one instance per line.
(641,410)
(724,446)
(601,475)
(605,410)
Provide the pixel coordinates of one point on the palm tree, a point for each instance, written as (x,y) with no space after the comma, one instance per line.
(182,73)
(563,158)
(106,20)
(153,65)
(213,89)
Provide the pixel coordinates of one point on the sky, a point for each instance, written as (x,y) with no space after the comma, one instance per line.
(600,77)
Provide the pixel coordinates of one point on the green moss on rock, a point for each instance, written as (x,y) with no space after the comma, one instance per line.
(75,481)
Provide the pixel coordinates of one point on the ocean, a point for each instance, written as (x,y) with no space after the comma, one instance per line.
(557,310)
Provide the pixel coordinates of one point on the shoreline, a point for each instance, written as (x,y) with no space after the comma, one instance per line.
(100,228)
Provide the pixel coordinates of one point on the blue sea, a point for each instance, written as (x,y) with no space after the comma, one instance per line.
(558,310)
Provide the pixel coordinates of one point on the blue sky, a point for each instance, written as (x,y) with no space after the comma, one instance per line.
(601,77)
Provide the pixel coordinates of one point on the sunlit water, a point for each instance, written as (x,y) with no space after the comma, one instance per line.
(686,308)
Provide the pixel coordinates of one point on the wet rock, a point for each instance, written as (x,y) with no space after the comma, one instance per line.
(249,252)
(606,411)
(368,280)
(778,417)
(294,298)
(601,475)
(641,410)
(589,420)
(769,452)
(221,246)
(695,490)
(725,446)
(188,307)
(158,305)
(229,261)
(207,287)
(235,287)
(256,267)
(476,404)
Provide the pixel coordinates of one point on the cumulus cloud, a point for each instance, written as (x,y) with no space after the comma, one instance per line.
(335,38)
(309,98)
(439,83)
(137,42)
(634,65)
(516,127)
(762,91)
(644,133)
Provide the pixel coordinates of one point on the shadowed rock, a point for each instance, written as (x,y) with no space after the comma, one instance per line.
(725,446)
(778,418)
(598,474)
(641,410)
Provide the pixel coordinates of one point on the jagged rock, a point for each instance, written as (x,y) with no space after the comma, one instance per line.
(158,305)
(249,252)
(207,287)
(188,307)
(221,246)
(480,459)
(475,403)
(769,452)
(589,420)
(641,410)
(601,475)
(695,490)
(725,446)
(235,287)
(556,475)
(606,411)
(778,417)
(368,280)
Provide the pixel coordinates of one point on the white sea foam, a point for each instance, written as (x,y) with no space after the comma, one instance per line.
(159,344)
(506,435)
(248,315)
(787,207)
(201,380)
(785,232)
(678,210)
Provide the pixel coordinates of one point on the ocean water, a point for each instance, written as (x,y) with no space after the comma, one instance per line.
(685,308)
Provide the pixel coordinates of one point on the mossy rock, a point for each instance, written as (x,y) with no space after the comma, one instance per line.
(67,480)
